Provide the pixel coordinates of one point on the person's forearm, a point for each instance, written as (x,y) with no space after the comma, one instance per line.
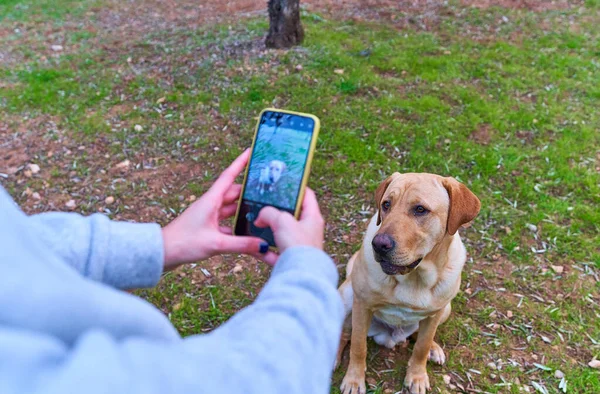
(288,338)
(120,254)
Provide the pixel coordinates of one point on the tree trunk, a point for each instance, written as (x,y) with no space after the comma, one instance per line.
(285,29)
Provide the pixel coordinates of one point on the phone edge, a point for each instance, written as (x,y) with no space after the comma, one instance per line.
(307,168)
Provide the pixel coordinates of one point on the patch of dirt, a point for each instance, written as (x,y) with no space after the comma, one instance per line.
(532,5)
(118,23)
(482,135)
(525,136)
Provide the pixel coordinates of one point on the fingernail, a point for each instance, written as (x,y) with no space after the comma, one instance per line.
(264,247)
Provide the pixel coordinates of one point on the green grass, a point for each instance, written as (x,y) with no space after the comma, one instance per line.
(514,115)
(20,10)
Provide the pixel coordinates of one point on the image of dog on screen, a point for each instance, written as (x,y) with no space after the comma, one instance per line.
(269,176)
(277,166)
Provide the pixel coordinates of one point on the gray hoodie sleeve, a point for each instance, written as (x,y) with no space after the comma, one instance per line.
(285,342)
(119,254)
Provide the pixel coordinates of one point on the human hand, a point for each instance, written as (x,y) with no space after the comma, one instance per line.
(289,232)
(196,234)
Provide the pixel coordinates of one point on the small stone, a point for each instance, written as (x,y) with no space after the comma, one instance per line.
(492,365)
(192,198)
(447,141)
(34,168)
(129,59)
(299,67)
(339,71)
(509,314)
(138,128)
(557,268)
(36,196)
(532,227)
(558,374)
(594,364)
(123,165)
(216,149)
(56,48)
(71,204)
(238,268)
(109,200)
(447,379)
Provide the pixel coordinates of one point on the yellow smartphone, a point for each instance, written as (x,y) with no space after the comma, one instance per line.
(278,169)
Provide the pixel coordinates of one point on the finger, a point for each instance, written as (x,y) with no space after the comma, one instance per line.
(228,211)
(232,194)
(310,207)
(226,230)
(273,218)
(235,244)
(269,258)
(227,177)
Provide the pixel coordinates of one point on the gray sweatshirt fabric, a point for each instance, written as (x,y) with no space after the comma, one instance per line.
(65,327)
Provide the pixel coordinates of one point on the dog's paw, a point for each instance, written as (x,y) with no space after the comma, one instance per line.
(353,384)
(417,382)
(436,354)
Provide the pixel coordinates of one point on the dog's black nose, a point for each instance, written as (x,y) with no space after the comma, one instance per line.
(383,244)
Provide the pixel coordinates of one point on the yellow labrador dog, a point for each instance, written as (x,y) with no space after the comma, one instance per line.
(406,273)
(269,176)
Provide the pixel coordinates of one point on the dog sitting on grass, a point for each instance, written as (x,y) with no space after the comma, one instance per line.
(269,176)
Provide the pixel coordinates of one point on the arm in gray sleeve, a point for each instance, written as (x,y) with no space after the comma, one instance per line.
(119,254)
(285,342)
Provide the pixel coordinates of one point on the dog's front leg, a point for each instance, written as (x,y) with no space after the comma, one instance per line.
(354,381)
(416,379)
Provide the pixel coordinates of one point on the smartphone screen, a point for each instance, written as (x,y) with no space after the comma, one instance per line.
(276,169)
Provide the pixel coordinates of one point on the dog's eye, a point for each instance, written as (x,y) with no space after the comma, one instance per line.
(420,210)
(385,205)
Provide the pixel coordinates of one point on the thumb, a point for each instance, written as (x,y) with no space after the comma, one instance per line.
(242,245)
(268,217)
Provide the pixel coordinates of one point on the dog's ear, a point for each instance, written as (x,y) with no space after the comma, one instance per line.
(464,205)
(381,191)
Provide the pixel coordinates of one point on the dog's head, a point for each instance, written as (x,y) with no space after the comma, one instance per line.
(416,211)
(276,168)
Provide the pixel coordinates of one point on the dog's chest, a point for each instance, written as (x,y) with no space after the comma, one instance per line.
(397,316)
